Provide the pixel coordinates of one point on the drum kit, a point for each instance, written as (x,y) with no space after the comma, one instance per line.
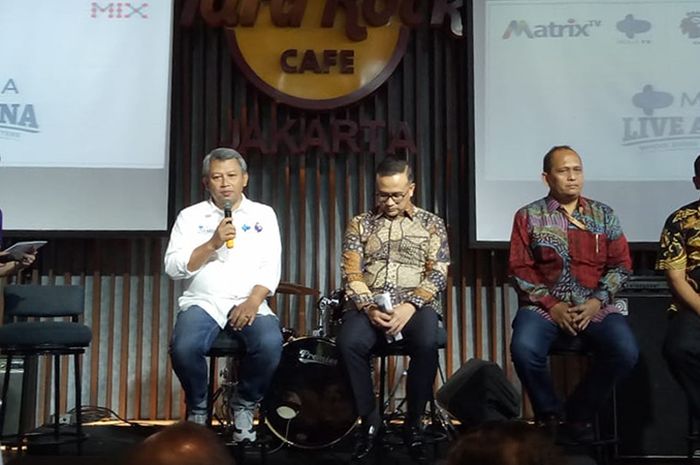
(309,404)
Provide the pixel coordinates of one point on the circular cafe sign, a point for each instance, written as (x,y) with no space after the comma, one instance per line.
(317,54)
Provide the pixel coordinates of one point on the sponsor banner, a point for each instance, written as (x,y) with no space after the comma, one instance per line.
(617,80)
(84,83)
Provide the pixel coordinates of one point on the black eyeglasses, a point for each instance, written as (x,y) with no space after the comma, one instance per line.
(395,196)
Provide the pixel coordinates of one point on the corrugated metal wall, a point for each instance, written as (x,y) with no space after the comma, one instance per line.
(131,303)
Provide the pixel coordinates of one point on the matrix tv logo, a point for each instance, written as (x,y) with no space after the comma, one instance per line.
(678,129)
(690,25)
(16,117)
(118,10)
(570,29)
(630,26)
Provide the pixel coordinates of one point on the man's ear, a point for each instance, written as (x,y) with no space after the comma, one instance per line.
(545,181)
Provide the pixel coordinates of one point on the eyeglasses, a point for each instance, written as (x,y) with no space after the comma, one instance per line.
(395,196)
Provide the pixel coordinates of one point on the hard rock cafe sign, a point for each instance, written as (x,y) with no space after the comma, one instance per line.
(320,54)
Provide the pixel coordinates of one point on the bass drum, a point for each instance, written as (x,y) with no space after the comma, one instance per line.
(310,403)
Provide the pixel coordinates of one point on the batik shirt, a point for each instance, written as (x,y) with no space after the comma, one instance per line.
(556,257)
(406,256)
(679,247)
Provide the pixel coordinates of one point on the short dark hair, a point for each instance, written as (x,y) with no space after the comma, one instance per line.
(392,165)
(504,443)
(547,160)
(697,166)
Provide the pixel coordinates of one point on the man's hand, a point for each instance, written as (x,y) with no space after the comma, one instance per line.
(399,317)
(226,231)
(27,259)
(585,312)
(243,314)
(377,317)
(563,316)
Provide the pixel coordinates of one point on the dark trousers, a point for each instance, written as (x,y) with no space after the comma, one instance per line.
(357,341)
(615,354)
(682,352)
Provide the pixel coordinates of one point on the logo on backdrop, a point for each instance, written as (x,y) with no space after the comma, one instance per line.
(570,29)
(690,25)
(631,26)
(668,122)
(118,10)
(317,54)
(17,116)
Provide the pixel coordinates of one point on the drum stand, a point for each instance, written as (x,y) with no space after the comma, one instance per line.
(228,382)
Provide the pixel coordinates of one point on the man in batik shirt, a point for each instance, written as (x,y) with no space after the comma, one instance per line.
(679,257)
(399,250)
(568,258)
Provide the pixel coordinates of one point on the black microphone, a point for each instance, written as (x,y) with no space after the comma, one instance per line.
(227,214)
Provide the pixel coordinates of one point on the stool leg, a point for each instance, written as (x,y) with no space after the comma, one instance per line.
(614,420)
(692,436)
(78,404)
(57,395)
(210,390)
(5,386)
(382,380)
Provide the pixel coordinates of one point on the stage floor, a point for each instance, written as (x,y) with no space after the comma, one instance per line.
(108,444)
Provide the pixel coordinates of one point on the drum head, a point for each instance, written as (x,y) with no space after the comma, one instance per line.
(310,403)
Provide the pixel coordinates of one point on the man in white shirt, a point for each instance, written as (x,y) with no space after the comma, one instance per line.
(230,265)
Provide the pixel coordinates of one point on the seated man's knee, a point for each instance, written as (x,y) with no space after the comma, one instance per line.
(524,349)
(271,345)
(350,343)
(627,354)
(183,348)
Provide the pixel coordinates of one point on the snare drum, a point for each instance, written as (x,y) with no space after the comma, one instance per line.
(310,403)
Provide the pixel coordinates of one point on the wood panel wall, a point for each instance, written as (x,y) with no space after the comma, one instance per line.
(130,303)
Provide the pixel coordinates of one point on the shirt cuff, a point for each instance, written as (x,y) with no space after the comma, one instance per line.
(362,300)
(548,302)
(416,301)
(602,295)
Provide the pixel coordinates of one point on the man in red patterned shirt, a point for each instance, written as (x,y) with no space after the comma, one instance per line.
(568,258)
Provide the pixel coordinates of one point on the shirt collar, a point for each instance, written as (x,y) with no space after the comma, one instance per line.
(554,205)
(244,207)
(409,213)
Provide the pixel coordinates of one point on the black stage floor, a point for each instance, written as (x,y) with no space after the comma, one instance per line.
(108,445)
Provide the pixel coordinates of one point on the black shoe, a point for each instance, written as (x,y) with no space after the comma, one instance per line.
(576,433)
(365,439)
(413,438)
(549,425)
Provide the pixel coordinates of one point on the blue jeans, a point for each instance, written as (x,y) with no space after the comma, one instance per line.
(615,354)
(193,336)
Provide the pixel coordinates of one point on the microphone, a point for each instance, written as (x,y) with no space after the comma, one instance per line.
(227,214)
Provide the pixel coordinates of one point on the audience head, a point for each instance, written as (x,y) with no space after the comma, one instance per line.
(183,443)
(504,443)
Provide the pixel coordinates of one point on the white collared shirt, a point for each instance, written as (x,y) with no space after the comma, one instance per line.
(229,276)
